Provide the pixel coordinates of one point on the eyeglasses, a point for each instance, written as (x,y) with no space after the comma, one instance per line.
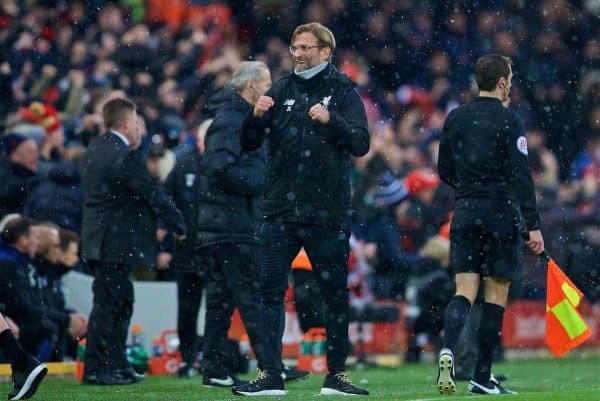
(302,48)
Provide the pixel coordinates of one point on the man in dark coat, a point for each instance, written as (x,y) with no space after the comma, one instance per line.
(119,229)
(313,122)
(229,221)
(17,172)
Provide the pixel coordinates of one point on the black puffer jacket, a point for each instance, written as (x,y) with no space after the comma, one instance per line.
(308,173)
(16,184)
(21,297)
(230,208)
(60,199)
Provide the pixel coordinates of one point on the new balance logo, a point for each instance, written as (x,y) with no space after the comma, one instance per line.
(289,103)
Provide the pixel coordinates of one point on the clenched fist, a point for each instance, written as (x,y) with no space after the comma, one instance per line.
(319,113)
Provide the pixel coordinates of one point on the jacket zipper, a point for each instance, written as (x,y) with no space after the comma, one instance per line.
(301,156)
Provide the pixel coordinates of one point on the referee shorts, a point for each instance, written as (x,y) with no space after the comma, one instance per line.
(484,237)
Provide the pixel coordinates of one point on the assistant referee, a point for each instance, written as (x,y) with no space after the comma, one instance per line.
(483,156)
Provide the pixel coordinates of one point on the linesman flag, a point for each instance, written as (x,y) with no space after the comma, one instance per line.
(565,328)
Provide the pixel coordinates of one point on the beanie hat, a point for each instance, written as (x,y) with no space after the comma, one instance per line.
(10,142)
(390,191)
(41,114)
(420,180)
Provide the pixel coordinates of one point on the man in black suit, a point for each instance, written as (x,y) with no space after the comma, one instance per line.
(121,208)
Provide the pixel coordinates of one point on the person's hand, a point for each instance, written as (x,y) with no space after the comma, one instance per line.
(163,260)
(536,242)
(319,113)
(13,327)
(263,105)
(77,325)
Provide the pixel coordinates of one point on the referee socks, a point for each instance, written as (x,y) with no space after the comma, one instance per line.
(454,319)
(490,330)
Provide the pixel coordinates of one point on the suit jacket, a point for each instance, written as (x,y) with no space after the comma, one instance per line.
(122,205)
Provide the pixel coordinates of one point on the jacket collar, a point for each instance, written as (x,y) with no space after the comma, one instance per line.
(307,84)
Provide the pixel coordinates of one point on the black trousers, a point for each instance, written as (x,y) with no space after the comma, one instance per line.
(327,249)
(307,299)
(189,295)
(109,321)
(232,281)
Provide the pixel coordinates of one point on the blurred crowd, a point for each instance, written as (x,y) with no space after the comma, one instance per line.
(60,60)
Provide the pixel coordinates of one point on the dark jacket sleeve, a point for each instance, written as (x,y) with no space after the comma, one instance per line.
(171,189)
(349,125)
(522,181)
(15,301)
(62,319)
(254,130)
(446,168)
(137,180)
(13,187)
(228,167)
(18,303)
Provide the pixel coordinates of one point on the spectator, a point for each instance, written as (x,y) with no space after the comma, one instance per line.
(19,291)
(186,185)
(69,249)
(17,172)
(49,272)
(59,199)
(423,219)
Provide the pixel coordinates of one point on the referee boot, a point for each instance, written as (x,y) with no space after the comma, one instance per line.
(340,384)
(445,380)
(225,381)
(489,388)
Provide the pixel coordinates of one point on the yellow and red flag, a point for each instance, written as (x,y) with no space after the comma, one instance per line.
(565,328)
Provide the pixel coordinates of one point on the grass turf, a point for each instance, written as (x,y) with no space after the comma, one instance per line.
(535,380)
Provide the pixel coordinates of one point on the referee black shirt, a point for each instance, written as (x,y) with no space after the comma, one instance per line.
(483,154)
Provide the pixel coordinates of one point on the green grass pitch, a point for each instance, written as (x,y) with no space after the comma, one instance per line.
(535,380)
